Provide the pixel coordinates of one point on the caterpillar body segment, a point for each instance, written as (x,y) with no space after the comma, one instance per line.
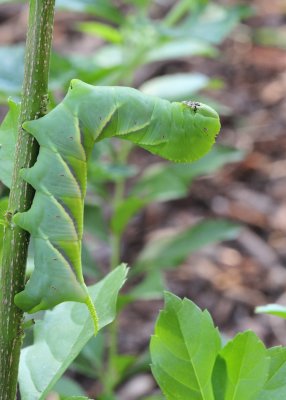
(176,131)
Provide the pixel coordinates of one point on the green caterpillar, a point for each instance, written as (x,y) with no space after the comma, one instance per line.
(176,131)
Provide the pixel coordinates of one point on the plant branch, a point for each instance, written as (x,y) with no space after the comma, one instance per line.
(16,240)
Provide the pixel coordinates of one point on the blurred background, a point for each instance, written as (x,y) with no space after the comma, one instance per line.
(213,231)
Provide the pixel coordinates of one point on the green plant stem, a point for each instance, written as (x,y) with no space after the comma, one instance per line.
(115,238)
(115,244)
(177,12)
(118,197)
(15,246)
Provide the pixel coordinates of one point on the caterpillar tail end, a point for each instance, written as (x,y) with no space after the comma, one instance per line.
(93,314)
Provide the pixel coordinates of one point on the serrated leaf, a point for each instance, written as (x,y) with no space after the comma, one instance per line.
(241,368)
(171,251)
(61,335)
(272,309)
(8,137)
(275,386)
(183,350)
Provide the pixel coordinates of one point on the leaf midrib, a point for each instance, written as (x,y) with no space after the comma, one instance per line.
(189,356)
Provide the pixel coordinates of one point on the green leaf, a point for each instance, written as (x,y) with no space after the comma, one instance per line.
(101,8)
(8,137)
(183,350)
(109,56)
(241,368)
(175,87)
(213,23)
(180,48)
(101,172)
(181,8)
(90,267)
(104,31)
(121,363)
(215,159)
(61,335)
(94,221)
(91,357)
(152,287)
(272,309)
(171,251)
(68,387)
(3,207)
(63,69)
(124,212)
(11,69)
(275,386)
(163,182)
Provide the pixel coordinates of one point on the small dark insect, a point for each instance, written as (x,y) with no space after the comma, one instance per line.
(193,104)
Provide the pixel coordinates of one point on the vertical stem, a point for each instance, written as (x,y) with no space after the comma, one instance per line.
(115,244)
(115,237)
(16,240)
(177,12)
